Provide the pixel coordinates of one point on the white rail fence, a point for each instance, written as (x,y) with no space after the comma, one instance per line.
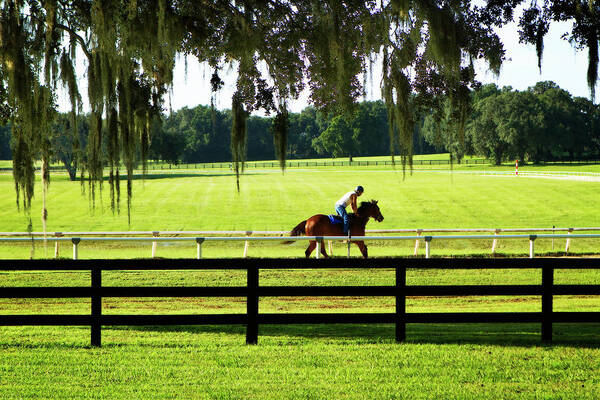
(320,240)
(279,234)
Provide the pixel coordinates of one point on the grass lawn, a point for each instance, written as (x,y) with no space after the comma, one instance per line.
(272,200)
(304,361)
(299,361)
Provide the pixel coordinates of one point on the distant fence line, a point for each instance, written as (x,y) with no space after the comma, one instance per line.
(253,291)
(288,164)
(161,166)
(319,239)
(314,163)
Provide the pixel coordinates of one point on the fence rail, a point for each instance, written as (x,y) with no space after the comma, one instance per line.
(76,237)
(253,291)
(160,166)
(319,239)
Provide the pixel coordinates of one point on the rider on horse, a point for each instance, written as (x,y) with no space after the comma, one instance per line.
(341,204)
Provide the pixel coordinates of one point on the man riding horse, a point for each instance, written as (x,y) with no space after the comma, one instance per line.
(341,204)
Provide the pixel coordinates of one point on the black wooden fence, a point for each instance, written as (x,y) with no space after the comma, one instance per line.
(253,291)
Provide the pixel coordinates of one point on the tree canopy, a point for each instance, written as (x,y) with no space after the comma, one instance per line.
(426,49)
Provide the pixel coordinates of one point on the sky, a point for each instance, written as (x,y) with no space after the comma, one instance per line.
(561,63)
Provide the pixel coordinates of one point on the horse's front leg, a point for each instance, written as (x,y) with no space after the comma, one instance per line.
(363,248)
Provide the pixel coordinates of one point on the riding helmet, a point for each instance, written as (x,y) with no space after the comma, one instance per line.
(359,189)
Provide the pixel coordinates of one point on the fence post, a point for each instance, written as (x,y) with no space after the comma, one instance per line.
(495,243)
(56,234)
(419,231)
(96,306)
(154,243)
(75,243)
(428,246)
(400,304)
(330,247)
(319,243)
(247,244)
(547,285)
(568,241)
(252,306)
(531,245)
(199,241)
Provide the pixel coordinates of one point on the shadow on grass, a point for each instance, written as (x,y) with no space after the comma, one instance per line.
(572,335)
(173,175)
(508,335)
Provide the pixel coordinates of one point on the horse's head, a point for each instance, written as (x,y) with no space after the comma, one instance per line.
(370,209)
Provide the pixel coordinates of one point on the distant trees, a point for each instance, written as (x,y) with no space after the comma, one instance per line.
(337,140)
(69,141)
(543,123)
(203,135)
(5,153)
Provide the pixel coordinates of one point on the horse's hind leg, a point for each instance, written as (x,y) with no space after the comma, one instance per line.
(363,248)
(310,248)
(323,249)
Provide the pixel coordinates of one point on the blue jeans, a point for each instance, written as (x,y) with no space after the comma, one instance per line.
(342,213)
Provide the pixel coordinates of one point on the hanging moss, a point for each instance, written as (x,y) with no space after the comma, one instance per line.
(592,72)
(113,149)
(238,136)
(279,129)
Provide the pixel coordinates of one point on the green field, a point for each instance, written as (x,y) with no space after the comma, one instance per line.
(271,200)
(306,361)
(300,361)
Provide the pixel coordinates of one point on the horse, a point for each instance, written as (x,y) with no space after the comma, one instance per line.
(321,225)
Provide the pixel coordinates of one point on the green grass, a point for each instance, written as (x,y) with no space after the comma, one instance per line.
(272,200)
(299,361)
(305,361)
(213,363)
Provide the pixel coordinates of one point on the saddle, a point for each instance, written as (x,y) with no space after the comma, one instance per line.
(335,219)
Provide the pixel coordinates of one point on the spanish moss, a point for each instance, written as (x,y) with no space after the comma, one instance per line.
(279,129)
(238,136)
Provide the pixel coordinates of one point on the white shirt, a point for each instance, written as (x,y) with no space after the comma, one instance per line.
(345,200)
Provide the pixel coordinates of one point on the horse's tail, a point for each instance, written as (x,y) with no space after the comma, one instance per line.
(300,229)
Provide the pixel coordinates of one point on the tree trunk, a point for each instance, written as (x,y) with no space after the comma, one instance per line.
(71,169)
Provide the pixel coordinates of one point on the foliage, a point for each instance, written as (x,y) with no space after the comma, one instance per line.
(337,140)
(5,152)
(584,14)
(68,142)
(543,123)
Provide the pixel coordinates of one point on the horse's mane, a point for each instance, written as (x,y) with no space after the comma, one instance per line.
(365,205)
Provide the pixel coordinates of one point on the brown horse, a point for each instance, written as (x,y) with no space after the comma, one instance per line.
(320,225)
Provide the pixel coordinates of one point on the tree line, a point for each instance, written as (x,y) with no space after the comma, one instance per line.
(203,134)
(543,123)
